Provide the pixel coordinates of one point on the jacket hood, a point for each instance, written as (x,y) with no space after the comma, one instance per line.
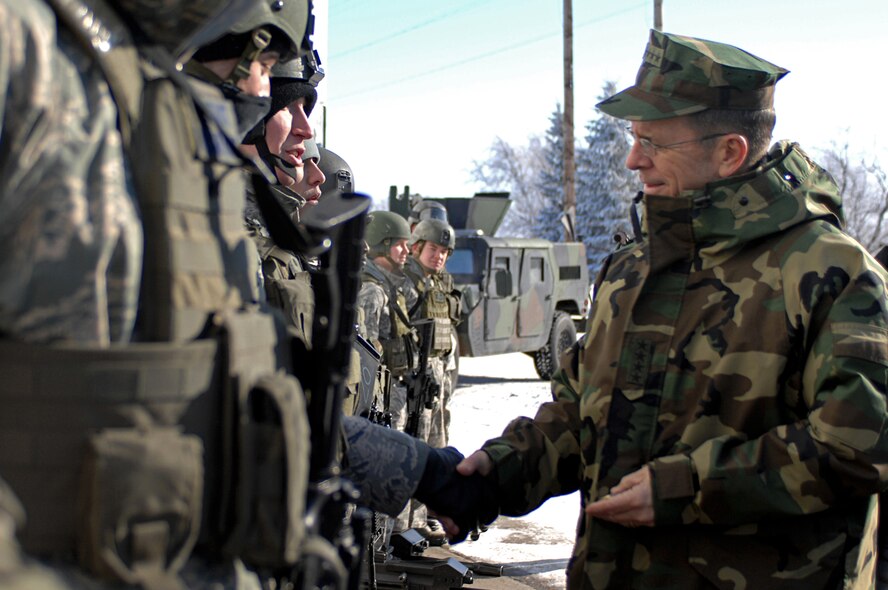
(786,189)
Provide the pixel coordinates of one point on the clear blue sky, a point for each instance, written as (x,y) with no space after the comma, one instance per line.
(416,90)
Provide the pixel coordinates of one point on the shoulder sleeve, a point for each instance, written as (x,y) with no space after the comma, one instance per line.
(386,465)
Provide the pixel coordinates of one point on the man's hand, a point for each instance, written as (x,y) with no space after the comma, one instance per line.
(479,462)
(630,502)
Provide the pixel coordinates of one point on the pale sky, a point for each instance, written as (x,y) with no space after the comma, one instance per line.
(416,90)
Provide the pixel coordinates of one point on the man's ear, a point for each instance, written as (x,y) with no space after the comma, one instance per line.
(731,153)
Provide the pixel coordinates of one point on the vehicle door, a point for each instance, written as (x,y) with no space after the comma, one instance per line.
(535,287)
(501,293)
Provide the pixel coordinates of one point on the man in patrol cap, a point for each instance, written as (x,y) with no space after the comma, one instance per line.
(724,415)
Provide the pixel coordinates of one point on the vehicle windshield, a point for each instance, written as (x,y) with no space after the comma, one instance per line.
(461,262)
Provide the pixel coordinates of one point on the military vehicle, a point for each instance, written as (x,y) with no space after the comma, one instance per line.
(518,294)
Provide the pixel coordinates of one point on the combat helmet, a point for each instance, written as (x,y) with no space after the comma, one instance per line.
(383,229)
(427,210)
(181,26)
(434,231)
(295,79)
(339,177)
(270,25)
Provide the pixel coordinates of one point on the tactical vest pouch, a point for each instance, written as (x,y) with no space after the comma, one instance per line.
(296,298)
(265,439)
(273,440)
(441,343)
(454,302)
(396,355)
(49,416)
(140,504)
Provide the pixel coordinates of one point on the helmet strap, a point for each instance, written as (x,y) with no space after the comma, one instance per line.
(259,41)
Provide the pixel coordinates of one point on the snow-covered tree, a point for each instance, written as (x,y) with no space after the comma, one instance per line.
(549,182)
(605,186)
(863,184)
(513,169)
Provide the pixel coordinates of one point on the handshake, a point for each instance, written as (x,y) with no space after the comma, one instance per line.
(464,503)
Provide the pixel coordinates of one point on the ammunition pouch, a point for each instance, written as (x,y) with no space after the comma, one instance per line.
(265,444)
(127,457)
(271,473)
(294,296)
(454,303)
(140,502)
(123,425)
(399,354)
(441,341)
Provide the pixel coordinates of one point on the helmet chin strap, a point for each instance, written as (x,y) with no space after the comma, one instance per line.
(275,161)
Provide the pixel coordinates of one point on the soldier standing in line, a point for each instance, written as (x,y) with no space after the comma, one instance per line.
(284,142)
(422,210)
(386,312)
(121,198)
(431,243)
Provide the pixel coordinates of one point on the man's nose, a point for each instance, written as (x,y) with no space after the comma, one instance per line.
(636,158)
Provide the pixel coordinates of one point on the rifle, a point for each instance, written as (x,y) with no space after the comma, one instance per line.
(334,230)
(422,388)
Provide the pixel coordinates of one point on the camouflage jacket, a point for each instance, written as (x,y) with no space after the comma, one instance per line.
(70,235)
(740,351)
(375,299)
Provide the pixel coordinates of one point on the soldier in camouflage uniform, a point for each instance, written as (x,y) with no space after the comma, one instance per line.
(121,260)
(384,300)
(431,243)
(724,416)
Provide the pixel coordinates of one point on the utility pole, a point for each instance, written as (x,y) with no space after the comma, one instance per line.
(569,168)
(658,15)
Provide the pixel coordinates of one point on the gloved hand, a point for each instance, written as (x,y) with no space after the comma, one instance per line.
(470,501)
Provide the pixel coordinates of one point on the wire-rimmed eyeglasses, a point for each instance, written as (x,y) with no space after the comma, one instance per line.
(650,149)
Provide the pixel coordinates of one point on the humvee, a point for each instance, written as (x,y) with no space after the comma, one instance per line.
(518,294)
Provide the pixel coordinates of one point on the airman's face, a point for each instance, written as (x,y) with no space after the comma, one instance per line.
(433,257)
(291,144)
(309,182)
(258,83)
(398,252)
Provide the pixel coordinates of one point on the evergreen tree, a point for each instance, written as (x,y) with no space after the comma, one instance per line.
(549,183)
(605,186)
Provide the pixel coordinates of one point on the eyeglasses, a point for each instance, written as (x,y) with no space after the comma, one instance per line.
(650,149)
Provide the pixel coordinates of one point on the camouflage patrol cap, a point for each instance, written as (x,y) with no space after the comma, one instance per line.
(434,231)
(683,75)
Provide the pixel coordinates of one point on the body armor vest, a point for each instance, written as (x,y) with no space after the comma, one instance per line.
(131,456)
(434,302)
(398,347)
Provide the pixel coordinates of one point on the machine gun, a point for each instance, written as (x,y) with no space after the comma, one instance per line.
(423,389)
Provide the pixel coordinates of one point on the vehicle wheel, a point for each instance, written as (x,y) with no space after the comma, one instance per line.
(563,335)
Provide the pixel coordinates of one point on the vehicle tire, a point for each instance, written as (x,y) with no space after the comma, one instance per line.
(563,335)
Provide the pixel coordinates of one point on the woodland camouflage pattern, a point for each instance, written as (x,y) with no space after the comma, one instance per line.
(741,351)
(683,75)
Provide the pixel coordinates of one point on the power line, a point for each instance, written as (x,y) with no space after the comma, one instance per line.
(480,56)
(411,28)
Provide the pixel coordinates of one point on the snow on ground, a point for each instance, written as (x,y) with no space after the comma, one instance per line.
(491,392)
